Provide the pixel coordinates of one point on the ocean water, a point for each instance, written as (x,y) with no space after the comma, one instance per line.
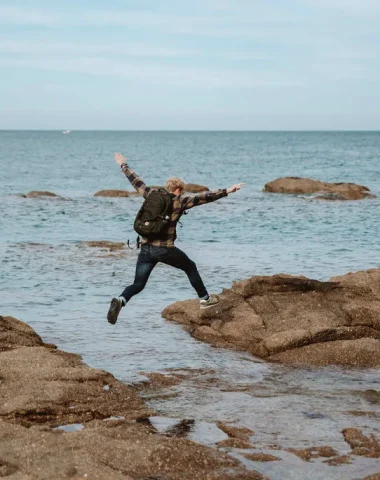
(62,287)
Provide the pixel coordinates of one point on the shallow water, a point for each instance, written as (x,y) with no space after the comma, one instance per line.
(62,287)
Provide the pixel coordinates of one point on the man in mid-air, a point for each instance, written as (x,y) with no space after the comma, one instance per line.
(162,248)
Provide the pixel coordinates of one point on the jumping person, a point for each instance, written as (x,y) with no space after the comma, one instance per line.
(162,249)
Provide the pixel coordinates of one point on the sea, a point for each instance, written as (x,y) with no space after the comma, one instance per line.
(53,280)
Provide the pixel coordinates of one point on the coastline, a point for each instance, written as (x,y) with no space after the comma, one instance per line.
(59,418)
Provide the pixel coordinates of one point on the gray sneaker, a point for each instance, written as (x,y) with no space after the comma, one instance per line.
(114,310)
(212,300)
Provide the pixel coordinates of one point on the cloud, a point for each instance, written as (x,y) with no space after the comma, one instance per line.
(78,48)
(121,49)
(240,25)
(316,47)
(21,16)
(356,6)
(177,76)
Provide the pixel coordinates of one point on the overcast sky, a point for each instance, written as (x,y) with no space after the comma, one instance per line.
(203,64)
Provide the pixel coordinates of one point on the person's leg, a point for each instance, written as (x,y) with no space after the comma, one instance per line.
(144,267)
(178,259)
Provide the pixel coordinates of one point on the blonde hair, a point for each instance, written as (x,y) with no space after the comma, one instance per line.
(174,183)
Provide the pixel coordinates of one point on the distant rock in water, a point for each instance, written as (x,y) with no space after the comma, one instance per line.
(327,191)
(189,187)
(37,194)
(114,193)
(111,246)
(194,188)
(294,320)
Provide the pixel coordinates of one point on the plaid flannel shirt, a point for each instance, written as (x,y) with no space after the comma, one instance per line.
(181,203)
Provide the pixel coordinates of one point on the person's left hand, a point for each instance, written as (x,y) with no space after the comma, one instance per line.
(236,187)
(119,158)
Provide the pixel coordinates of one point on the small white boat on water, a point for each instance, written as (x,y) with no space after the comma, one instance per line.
(66,132)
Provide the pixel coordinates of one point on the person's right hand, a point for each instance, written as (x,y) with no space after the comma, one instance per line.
(235,188)
(119,158)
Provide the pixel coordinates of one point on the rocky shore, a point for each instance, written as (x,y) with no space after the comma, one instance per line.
(293,320)
(61,419)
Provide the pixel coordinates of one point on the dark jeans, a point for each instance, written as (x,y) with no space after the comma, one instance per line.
(149,257)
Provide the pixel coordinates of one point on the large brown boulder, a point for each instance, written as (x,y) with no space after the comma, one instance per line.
(293,319)
(326,191)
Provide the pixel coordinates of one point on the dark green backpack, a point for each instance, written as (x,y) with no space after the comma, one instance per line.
(154,214)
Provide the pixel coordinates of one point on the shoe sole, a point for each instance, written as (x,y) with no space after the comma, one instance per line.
(113,311)
(203,307)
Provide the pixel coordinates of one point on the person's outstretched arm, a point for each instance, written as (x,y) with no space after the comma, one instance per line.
(188,202)
(135,180)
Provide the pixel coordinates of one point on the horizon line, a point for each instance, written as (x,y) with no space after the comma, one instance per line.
(190,130)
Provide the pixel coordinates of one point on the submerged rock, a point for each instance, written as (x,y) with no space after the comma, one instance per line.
(313,452)
(261,457)
(339,460)
(235,443)
(106,244)
(326,191)
(292,319)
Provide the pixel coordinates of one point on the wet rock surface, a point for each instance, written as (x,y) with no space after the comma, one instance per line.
(339,460)
(314,452)
(325,190)
(236,432)
(293,320)
(308,456)
(261,457)
(43,388)
(105,244)
(363,445)
(235,443)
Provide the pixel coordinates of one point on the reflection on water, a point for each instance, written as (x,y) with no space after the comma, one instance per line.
(72,427)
